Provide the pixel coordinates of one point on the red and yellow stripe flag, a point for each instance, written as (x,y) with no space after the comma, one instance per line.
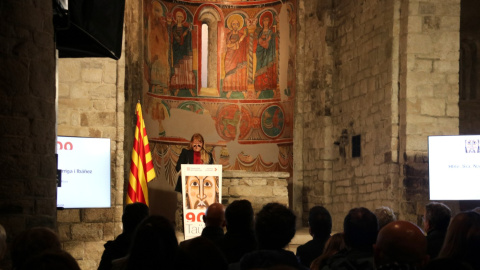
(141,168)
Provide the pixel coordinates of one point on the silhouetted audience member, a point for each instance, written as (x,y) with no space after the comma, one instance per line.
(154,246)
(200,253)
(32,242)
(51,260)
(400,245)
(3,242)
(384,215)
(275,228)
(462,241)
(435,223)
(132,216)
(240,236)
(361,228)
(214,220)
(333,245)
(320,228)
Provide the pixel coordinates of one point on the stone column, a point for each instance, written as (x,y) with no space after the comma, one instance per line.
(27,117)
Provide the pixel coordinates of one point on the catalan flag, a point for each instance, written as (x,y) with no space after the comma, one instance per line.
(141,168)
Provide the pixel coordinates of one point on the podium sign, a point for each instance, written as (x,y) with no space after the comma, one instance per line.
(202,186)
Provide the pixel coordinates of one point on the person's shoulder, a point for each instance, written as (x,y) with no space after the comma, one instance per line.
(186,150)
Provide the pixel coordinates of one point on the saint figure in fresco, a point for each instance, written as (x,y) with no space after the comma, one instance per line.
(182,76)
(266,68)
(235,56)
(158,46)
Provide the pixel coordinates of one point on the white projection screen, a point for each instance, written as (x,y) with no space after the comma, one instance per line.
(85,172)
(454,167)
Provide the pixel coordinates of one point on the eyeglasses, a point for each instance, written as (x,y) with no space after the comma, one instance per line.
(197,145)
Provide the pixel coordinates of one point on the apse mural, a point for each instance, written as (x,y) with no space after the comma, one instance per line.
(246,113)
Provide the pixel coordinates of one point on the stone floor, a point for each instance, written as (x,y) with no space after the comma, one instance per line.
(301,237)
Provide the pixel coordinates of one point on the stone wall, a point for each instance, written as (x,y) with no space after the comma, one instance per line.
(387,72)
(428,96)
(259,188)
(27,117)
(364,105)
(314,141)
(91,104)
(350,91)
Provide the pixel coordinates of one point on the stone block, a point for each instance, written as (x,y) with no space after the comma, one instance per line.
(118,213)
(87,231)
(280,191)
(433,107)
(98,215)
(425,8)
(343,183)
(108,231)
(68,70)
(75,248)
(95,250)
(64,232)
(83,104)
(91,119)
(92,75)
(104,91)
(81,90)
(110,72)
(251,191)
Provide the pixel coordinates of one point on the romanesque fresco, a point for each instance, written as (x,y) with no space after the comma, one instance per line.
(246,113)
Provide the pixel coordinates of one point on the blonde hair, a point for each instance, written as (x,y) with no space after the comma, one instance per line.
(203,152)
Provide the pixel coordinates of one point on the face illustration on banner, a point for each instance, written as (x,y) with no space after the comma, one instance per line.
(201,191)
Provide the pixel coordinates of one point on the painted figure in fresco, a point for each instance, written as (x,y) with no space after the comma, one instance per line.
(235,57)
(181,39)
(266,69)
(160,113)
(158,46)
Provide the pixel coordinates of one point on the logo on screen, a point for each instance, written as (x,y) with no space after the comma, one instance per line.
(66,146)
(472,146)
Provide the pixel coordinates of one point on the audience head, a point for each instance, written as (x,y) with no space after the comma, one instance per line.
(3,242)
(215,216)
(51,260)
(333,245)
(154,244)
(274,226)
(384,215)
(132,216)
(462,241)
(360,227)
(320,222)
(32,242)
(200,253)
(401,242)
(437,216)
(239,216)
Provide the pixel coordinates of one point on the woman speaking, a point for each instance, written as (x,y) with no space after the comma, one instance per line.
(194,154)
